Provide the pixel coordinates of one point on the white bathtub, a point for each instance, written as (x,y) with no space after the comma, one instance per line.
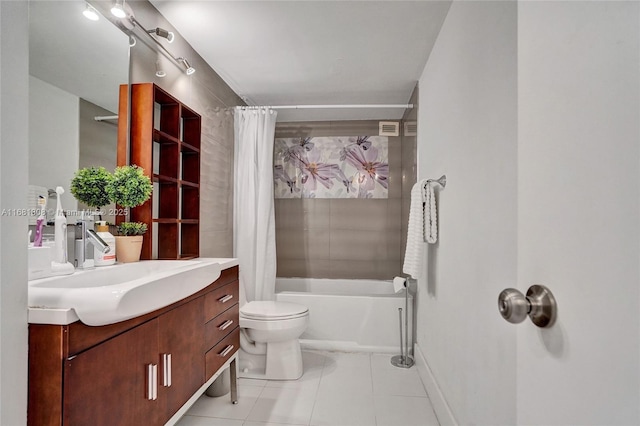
(348,315)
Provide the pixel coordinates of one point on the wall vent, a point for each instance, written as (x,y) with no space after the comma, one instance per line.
(410,128)
(389,128)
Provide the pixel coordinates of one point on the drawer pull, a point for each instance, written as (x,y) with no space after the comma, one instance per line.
(225,299)
(226,351)
(152,382)
(225,325)
(166,364)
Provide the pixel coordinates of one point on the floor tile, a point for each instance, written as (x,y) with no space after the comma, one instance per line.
(278,405)
(405,411)
(242,381)
(391,380)
(207,421)
(336,389)
(344,408)
(347,371)
(222,407)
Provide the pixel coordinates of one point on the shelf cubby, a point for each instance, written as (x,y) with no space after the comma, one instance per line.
(168,234)
(190,203)
(190,124)
(190,166)
(189,240)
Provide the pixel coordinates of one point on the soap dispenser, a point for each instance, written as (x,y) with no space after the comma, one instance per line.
(101,258)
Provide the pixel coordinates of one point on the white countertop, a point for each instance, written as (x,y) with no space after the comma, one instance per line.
(58,316)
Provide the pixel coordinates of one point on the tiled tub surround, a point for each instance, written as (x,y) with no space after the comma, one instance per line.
(341,238)
(337,389)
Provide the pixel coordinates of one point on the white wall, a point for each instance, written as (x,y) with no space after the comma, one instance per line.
(578,173)
(543,187)
(467,130)
(13,189)
(54,121)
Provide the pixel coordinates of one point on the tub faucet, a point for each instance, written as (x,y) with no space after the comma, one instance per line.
(85,242)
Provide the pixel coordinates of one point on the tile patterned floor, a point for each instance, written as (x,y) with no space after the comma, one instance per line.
(337,389)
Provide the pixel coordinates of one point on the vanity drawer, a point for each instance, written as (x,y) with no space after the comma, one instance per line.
(227,276)
(220,326)
(219,354)
(219,300)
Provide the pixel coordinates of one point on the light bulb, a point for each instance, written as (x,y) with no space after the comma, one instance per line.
(90,13)
(118,10)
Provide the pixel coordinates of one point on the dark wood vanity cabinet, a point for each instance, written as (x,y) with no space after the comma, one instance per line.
(136,372)
(180,348)
(107,384)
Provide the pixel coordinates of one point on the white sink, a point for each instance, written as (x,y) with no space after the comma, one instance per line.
(110,294)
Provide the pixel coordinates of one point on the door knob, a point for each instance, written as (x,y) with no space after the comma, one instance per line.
(539,304)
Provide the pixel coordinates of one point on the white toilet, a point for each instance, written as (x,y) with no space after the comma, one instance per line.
(269,346)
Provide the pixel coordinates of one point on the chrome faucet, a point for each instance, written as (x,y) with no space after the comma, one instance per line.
(85,242)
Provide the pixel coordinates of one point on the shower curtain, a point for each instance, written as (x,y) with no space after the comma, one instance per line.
(254,220)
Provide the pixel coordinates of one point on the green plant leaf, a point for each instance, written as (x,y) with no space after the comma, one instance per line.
(89,185)
(130,187)
(132,228)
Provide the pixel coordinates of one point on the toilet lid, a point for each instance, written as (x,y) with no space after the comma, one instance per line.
(269,310)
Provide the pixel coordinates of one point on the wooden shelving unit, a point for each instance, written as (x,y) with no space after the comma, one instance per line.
(165,142)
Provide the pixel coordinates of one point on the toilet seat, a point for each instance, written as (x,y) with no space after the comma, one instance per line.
(266,310)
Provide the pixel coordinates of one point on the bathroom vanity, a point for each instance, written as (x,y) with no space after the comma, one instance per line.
(145,370)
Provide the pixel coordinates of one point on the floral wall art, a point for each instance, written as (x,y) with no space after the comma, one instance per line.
(331,167)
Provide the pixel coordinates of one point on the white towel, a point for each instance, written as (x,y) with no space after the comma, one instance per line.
(414,253)
(430,215)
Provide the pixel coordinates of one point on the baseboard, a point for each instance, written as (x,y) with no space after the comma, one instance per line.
(439,403)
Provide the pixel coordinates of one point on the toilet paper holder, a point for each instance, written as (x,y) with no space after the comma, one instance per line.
(539,305)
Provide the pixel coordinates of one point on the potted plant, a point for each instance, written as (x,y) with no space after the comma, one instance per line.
(129,241)
(129,187)
(89,186)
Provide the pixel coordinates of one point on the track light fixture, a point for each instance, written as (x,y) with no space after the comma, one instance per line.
(118,9)
(187,67)
(90,13)
(159,71)
(161,32)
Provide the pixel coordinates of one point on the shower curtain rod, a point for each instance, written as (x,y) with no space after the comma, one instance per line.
(331,106)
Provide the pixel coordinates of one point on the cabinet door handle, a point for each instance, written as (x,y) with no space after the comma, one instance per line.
(155,381)
(166,370)
(225,299)
(225,325)
(152,382)
(226,351)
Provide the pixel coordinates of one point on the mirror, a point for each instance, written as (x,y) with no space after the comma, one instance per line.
(76,67)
